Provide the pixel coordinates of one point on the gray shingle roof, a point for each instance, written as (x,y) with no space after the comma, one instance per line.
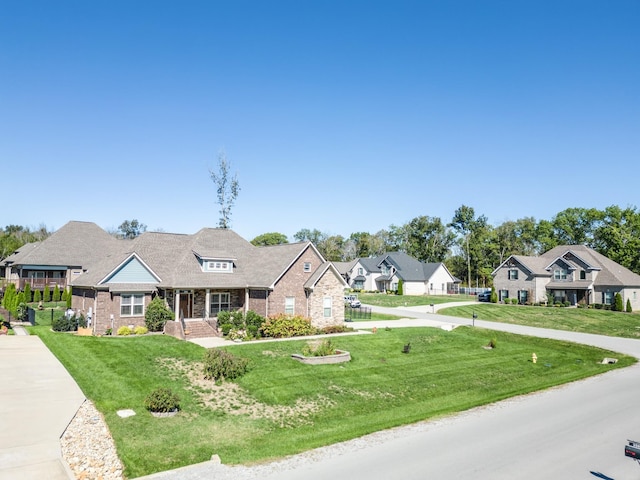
(75,244)
(407,268)
(610,272)
(174,258)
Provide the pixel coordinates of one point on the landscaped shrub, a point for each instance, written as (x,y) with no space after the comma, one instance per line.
(37,296)
(226,328)
(400,287)
(493,343)
(56,293)
(27,293)
(494,296)
(46,296)
(69,297)
(162,400)
(618,305)
(321,349)
(336,329)
(629,310)
(222,365)
(252,319)
(140,330)
(22,312)
(157,315)
(124,331)
(514,301)
(64,324)
(81,321)
(224,317)
(597,306)
(283,326)
(237,319)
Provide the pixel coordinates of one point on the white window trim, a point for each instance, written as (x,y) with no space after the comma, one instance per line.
(307,266)
(327,307)
(132,299)
(219,303)
(218,266)
(290,305)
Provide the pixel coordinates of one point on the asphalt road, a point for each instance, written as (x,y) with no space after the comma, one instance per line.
(566,432)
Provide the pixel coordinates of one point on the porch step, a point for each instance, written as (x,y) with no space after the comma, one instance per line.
(199,329)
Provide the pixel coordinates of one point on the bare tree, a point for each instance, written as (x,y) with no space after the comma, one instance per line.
(227,189)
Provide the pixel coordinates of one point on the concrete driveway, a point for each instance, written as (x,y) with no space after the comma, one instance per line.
(39,399)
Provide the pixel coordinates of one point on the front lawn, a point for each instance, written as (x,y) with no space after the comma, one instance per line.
(282,407)
(384,300)
(600,322)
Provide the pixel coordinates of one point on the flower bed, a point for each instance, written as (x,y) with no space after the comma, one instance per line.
(340,356)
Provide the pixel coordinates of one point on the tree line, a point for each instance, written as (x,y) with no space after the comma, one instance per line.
(472,248)
(468,245)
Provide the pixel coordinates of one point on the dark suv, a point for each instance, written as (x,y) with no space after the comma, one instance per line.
(484,297)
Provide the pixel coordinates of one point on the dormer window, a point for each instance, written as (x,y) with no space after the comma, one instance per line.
(560,274)
(223,266)
(307,266)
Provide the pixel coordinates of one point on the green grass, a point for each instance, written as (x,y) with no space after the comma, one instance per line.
(383,300)
(445,372)
(600,322)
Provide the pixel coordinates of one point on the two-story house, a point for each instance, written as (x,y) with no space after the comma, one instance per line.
(384,273)
(567,273)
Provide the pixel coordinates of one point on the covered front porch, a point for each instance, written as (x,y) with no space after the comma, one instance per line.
(574,294)
(204,304)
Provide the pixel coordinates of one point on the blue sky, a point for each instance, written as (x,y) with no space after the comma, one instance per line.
(341,116)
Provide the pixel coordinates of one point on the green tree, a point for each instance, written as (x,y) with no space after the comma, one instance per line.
(618,236)
(27,292)
(227,189)
(494,295)
(576,226)
(314,236)
(8,297)
(46,296)
(130,229)
(400,287)
(272,238)
(56,294)
(37,296)
(629,309)
(428,239)
(69,299)
(473,235)
(617,306)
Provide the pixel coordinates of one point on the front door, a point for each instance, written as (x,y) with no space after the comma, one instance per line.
(186,301)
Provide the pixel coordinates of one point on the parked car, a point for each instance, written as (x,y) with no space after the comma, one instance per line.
(355,303)
(484,297)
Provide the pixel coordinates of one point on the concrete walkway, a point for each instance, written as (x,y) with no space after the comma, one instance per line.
(39,399)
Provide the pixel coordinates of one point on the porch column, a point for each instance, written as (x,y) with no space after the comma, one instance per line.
(246,300)
(207,302)
(176,304)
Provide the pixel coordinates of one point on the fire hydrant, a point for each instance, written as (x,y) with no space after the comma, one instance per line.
(534,358)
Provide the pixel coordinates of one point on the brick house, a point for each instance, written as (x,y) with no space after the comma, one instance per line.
(202,274)
(573,273)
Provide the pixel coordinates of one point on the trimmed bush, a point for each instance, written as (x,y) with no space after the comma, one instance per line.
(37,296)
(618,305)
(400,287)
(56,293)
(162,400)
(46,296)
(629,310)
(284,326)
(64,324)
(124,331)
(157,315)
(226,328)
(140,330)
(222,365)
(27,293)
(237,320)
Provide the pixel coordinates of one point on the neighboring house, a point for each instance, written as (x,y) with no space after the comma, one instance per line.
(202,274)
(58,259)
(384,273)
(345,269)
(569,273)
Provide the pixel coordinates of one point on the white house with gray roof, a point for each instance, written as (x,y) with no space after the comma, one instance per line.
(573,273)
(384,272)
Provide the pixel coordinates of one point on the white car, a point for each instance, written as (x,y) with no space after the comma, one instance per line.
(355,303)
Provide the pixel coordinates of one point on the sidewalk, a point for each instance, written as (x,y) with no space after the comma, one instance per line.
(39,399)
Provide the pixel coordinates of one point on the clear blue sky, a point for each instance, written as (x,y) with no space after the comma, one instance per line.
(343,116)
